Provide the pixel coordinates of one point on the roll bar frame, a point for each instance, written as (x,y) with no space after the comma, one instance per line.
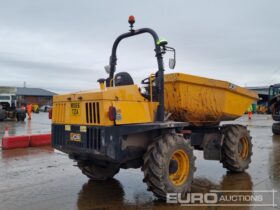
(159,74)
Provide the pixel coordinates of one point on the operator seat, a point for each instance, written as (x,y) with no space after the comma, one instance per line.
(123,78)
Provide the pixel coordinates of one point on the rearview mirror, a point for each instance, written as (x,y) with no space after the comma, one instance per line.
(172,63)
(107,69)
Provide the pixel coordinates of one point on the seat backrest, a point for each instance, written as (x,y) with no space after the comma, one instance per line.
(123,78)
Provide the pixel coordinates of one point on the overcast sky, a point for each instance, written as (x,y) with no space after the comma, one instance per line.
(63,45)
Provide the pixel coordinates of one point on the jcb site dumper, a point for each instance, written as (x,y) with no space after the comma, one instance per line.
(156,128)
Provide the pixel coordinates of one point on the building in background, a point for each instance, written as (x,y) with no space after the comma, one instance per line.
(37,96)
(262,104)
(263,94)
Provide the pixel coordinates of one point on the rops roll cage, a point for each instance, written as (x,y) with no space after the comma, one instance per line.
(160,49)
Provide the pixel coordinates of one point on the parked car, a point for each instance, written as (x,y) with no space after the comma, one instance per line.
(45,108)
(8,109)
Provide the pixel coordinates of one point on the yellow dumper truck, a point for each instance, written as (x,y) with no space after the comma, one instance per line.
(155,127)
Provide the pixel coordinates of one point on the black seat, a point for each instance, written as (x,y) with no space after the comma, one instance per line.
(123,78)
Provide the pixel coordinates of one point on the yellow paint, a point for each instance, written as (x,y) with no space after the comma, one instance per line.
(102,85)
(131,106)
(244,148)
(122,93)
(179,177)
(134,112)
(204,101)
(189,98)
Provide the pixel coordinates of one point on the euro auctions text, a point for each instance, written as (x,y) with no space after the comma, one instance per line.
(224,198)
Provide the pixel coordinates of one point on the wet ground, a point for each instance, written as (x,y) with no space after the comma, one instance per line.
(43,179)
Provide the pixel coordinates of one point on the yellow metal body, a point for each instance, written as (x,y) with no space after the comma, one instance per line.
(198,100)
(92,107)
(203,101)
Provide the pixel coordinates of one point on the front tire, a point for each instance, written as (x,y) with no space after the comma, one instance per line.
(169,165)
(237,148)
(96,172)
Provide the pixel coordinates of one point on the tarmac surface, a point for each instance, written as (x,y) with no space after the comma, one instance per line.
(44,179)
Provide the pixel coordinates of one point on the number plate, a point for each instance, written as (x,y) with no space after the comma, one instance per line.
(75,109)
(75,137)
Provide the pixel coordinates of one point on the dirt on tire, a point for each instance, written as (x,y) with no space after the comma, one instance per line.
(231,158)
(156,165)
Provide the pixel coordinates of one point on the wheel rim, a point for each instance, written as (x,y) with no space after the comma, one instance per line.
(243,148)
(180,175)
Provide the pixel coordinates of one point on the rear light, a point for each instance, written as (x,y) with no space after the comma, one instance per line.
(50,114)
(112,113)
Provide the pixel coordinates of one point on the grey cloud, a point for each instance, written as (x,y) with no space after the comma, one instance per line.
(66,43)
(51,68)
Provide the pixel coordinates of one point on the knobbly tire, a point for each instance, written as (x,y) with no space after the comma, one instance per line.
(237,148)
(96,172)
(276,128)
(169,165)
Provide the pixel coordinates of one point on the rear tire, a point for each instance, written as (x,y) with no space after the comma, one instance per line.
(161,174)
(276,128)
(237,148)
(96,172)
